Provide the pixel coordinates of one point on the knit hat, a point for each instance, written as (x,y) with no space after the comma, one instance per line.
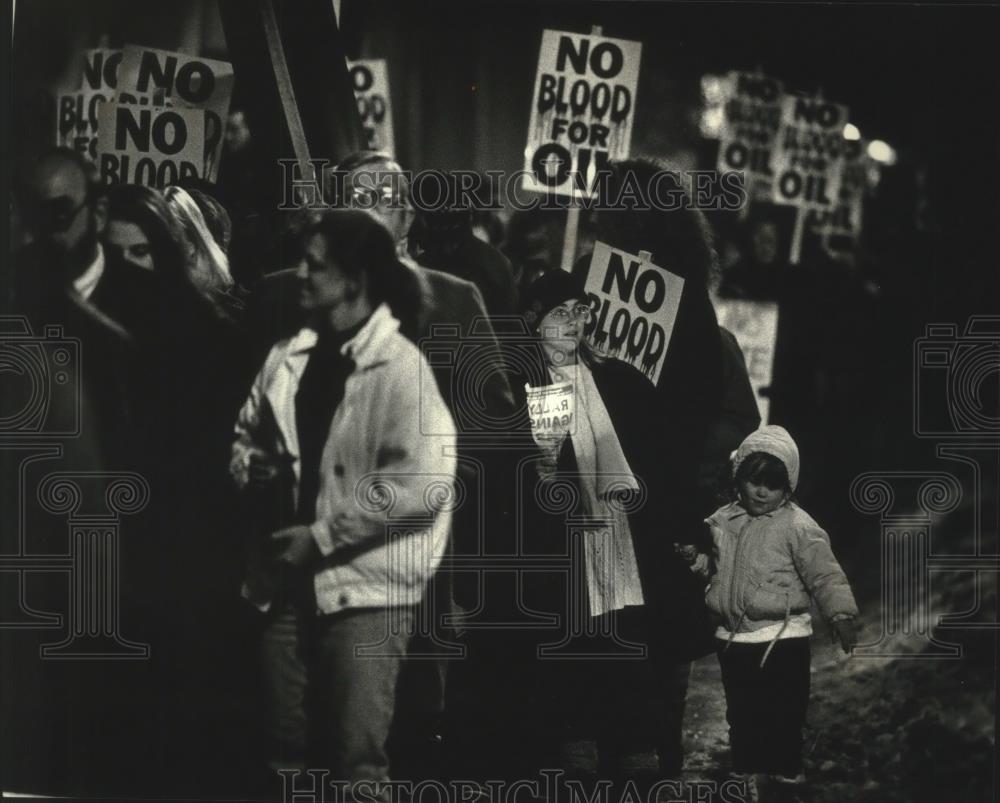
(547,292)
(772,440)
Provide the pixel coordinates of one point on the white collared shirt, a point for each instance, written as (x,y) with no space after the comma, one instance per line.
(86,282)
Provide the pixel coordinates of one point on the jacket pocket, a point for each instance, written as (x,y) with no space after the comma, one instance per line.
(713,596)
(768,603)
(773,600)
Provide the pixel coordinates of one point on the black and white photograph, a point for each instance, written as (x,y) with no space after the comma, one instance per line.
(492,401)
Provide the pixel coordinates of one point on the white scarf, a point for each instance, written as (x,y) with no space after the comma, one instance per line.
(611,570)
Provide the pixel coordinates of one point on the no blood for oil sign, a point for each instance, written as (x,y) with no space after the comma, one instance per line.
(581,112)
(633,305)
(370,79)
(751,122)
(809,153)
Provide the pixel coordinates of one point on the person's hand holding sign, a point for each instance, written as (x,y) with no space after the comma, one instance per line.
(551,411)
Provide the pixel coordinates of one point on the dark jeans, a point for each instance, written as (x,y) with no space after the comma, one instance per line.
(331,696)
(766,707)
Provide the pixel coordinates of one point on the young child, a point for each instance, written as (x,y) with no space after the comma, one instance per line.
(770,560)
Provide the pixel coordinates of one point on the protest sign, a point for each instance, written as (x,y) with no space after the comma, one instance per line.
(582,111)
(100,70)
(809,153)
(164,78)
(77,110)
(550,410)
(77,116)
(754,324)
(844,220)
(633,306)
(370,79)
(751,121)
(151,146)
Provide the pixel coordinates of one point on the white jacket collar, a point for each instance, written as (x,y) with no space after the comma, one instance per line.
(86,282)
(365,348)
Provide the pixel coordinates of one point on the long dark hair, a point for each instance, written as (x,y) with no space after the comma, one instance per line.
(680,238)
(362,246)
(147,209)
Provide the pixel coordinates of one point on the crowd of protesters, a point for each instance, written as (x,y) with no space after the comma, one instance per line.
(335,433)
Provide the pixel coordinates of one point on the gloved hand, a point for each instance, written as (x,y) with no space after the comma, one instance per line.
(846,632)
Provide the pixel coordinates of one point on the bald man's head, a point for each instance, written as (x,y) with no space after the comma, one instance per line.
(64,209)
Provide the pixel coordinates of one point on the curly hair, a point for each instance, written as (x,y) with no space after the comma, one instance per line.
(680,239)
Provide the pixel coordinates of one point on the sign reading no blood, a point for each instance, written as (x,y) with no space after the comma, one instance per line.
(151,146)
(633,305)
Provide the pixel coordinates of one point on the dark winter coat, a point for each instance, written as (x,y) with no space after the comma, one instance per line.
(674,598)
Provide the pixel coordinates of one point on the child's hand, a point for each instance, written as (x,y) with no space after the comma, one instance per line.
(846,632)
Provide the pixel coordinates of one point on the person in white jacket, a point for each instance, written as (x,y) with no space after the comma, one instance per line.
(348,417)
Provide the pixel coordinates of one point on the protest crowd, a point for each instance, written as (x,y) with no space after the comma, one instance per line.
(441,491)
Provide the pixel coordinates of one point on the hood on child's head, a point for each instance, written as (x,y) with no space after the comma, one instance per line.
(772,440)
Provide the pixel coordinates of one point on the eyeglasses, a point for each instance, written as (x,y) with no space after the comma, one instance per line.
(562,315)
(368,197)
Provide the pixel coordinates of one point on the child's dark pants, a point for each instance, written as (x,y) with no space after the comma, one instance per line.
(766,707)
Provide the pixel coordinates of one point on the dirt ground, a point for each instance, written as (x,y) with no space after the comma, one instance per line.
(878,730)
(882,730)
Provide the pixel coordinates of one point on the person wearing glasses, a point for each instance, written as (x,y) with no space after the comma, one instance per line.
(63,276)
(64,266)
(596,446)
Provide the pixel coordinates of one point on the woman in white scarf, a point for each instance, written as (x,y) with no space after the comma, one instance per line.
(604,476)
(596,434)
